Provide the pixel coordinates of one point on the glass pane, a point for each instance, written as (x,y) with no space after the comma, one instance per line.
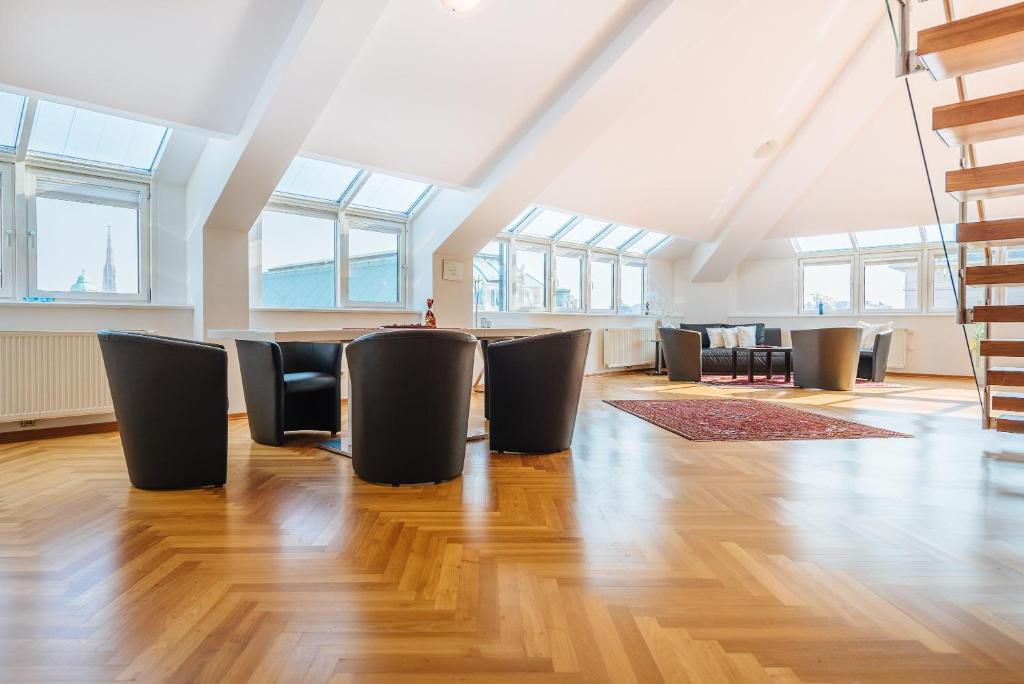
(373,266)
(632,288)
(584,231)
(388,193)
(86,247)
(489,277)
(518,219)
(602,284)
(890,286)
(942,287)
(619,236)
(531,279)
(75,133)
(317,179)
(11,106)
(298,260)
(891,237)
(823,243)
(828,285)
(569,282)
(546,223)
(948,230)
(646,243)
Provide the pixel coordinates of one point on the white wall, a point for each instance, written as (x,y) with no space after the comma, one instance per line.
(765,290)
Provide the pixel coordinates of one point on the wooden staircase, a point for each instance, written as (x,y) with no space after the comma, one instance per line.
(965,46)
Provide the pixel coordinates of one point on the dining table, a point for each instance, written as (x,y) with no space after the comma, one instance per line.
(345,335)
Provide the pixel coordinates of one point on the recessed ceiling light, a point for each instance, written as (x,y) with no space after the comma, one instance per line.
(766,150)
(460,5)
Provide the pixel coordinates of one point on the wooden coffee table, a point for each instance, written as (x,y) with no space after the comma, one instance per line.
(768,350)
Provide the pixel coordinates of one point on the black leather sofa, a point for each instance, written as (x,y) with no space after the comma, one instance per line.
(718,361)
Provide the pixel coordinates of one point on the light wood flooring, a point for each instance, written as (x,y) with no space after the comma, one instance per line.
(636,557)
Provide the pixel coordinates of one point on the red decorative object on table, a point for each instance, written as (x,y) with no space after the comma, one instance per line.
(429,320)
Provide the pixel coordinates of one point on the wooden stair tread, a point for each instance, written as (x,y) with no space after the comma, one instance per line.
(987,118)
(986,182)
(1009,425)
(1005,377)
(995,274)
(1008,401)
(1002,348)
(1007,313)
(975,43)
(991,231)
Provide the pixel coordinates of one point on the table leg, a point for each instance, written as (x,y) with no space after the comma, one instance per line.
(768,361)
(750,365)
(734,363)
(789,365)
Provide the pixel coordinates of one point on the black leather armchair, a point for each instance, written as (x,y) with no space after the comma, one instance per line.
(535,391)
(825,358)
(410,404)
(873,363)
(171,401)
(290,386)
(682,353)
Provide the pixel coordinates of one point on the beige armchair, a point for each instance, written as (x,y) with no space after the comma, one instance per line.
(682,353)
(826,358)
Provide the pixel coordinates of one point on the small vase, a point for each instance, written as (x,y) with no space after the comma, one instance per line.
(429,320)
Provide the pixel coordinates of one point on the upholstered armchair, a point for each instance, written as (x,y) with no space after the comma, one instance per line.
(682,350)
(535,385)
(826,358)
(171,402)
(873,363)
(410,404)
(290,386)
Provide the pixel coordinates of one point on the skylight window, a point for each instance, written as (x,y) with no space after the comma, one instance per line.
(647,243)
(619,236)
(823,243)
(72,133)
(890,237)
(523,215)
(546,223)
(388,193)
(11,107)
(584,231)
(317,179)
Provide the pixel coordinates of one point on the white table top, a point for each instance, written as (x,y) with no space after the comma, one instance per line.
(349,334)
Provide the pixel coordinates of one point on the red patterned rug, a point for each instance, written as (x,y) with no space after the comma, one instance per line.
(776,381)
(743,420)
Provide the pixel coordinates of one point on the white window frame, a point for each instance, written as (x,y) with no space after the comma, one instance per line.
(84,181)
(889,257)
(256,250)
(7,231)
(581,254)
(604,257)
(803,262)
(529,246)
(930,256)
(506,251)
(632,262)
(376,221)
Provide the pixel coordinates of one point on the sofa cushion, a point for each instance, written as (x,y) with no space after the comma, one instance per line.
(702,328)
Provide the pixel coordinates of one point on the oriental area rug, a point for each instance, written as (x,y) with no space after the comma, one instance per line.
(715,420)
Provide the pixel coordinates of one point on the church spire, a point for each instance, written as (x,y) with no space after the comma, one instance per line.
(109,272)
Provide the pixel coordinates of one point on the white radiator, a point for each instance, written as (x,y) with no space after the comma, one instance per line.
(898,349)
(628,346)
(50,374)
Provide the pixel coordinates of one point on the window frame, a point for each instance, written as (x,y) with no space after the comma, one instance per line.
(540,247)
(8,245)
(603,257)
(581,254)
(33,173)
(256,251)
(888,257)
(803,262)
(503,257)
(373,221)
(632,262)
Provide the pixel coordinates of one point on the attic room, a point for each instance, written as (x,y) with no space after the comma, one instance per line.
(494,340)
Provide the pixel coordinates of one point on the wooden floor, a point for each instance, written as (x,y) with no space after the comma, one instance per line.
(636,557)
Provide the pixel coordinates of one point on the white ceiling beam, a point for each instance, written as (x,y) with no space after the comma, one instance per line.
(816,138)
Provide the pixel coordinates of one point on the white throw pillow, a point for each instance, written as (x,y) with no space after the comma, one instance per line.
(716,337)
(746,336)
(730,337)
(869,331)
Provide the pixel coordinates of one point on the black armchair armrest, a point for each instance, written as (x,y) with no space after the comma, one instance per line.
(773,336)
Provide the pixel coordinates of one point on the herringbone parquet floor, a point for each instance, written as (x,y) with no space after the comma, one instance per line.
(636,557)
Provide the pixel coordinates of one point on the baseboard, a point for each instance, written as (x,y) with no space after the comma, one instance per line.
(937,376)
(61,431)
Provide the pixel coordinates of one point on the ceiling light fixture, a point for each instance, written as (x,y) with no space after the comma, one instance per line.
(460,6)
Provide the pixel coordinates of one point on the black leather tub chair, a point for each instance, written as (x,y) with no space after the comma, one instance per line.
(290,386)
(535,391)
(873,363)
(410,404)
(171,401)
(682,352)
